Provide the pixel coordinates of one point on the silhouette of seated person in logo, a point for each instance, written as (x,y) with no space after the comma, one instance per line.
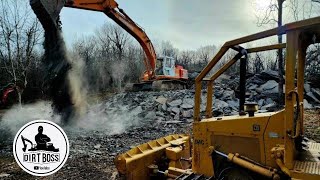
(42,141)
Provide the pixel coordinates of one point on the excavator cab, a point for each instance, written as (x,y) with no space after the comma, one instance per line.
(165,66)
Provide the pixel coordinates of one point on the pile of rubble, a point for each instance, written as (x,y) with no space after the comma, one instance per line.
(177,106)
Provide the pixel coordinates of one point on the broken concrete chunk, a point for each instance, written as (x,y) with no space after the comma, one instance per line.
(175,102)
(176,117)
(187,113)
(161,100)
(97,146)
(261,103)
(189,101)
(186,106)
(307,87)
(307,105)
(269,107)
(312,98)
(271,86)
(269,75)
(228,95)
(176,110)
(137,110)
(164,107)
(316,92)
(151,115)
(219,104)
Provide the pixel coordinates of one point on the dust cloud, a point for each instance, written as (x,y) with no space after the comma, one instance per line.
(99,117)
(64,80)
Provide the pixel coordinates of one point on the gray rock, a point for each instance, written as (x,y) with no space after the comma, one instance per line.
(161,100)
(164,107)
(234,104)
(256,80)
(175,110)
(219,104)
(268,87)
(202,108)
(223,78)
(307,87)
(186,106)
(261,102)
(307,105)
(312,98)
(316,92)
(228,95)
(218,93)
(252,87)
(193,75)
(217,112)
(97,146)
(151,115)
(187,113)
(262,111)
(173,122)
(269,107)
(188,101)
(161,114)
(175,102)
(176,117)
(227,111)
(269,75)
(137,110)
(269,101)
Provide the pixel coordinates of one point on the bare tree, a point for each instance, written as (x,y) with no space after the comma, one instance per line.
(269,16)
(257,64)
(186,58)
(119,41)
(206,53)
(86,47)
(19,36)
(167,49)
(135,65)
(118,38)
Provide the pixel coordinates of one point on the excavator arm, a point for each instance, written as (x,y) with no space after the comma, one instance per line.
(48,12)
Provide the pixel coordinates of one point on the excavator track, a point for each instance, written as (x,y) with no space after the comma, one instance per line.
(159,85)
(165,85)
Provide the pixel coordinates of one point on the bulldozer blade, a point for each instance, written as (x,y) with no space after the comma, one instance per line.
(47,11)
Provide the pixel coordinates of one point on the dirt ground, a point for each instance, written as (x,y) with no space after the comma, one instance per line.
(92,153)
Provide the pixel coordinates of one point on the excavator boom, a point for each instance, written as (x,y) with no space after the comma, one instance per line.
(48,12)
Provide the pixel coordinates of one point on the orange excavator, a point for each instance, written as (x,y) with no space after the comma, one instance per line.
(160,73)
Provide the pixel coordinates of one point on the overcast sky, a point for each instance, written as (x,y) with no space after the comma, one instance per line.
(188,24)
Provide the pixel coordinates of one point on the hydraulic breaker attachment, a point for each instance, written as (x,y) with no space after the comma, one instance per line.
(48,12)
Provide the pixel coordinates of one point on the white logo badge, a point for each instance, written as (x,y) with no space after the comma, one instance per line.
(41,147)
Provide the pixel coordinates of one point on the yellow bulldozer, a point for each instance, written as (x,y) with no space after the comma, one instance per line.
(246,146)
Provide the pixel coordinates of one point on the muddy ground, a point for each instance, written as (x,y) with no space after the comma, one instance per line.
(92,152)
